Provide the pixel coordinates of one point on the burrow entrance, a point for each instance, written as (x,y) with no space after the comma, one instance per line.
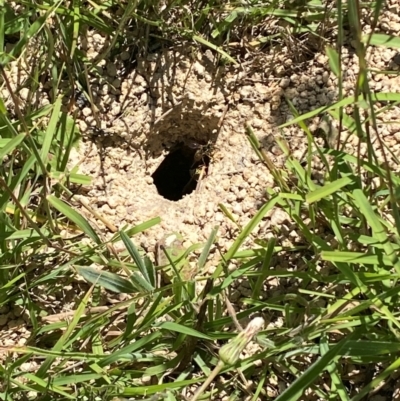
(180,171)
(189,134)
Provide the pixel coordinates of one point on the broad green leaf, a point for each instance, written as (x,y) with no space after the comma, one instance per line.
(170,396)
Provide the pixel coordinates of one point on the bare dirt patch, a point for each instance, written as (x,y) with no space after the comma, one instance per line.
(175,97)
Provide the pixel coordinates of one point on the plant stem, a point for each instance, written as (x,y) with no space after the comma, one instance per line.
(212,376)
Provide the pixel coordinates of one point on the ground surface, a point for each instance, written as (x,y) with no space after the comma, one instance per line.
(176,95)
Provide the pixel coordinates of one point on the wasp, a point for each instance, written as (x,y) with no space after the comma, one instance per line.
(201,161)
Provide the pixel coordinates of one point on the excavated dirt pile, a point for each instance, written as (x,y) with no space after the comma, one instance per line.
(176,117)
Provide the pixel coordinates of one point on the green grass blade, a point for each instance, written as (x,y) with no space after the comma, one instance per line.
(43,370)
(207,247)
(143,226)
(11,145)
(137,345)
(75,217)
(328,189)
(246,232)
(78,179)
(297,388)
(264,268)
(130,246)
(2,31)
(223,53)
(333,60)
(108,280)
(50,131)
(44,386)
(381,39)
(141,284)
(355,257)
(379,231)
(377,380)
(178,328)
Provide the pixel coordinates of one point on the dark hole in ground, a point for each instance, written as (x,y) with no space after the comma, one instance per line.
(180,171)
